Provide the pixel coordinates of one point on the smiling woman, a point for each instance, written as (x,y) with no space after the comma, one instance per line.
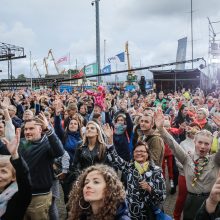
(98,194)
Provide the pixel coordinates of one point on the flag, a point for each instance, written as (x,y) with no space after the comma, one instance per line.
(107,69)
(75,74)
(64,59)
(91,69)
(181,53)
(111,59)
(121,56)
(118,57)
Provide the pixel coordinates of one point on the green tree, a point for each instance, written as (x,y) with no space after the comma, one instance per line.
(21,76)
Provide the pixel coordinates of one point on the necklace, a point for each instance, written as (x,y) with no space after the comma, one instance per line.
(198,170)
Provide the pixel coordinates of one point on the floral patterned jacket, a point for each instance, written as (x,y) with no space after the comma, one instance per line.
(139,200)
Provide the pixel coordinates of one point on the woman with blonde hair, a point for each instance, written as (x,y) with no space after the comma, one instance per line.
(93,148)
(98,194)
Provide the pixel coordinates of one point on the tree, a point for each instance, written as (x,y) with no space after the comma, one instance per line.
(21,76)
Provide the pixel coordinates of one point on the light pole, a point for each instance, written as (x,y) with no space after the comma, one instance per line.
(97,37)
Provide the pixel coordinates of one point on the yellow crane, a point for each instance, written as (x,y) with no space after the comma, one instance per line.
(50,54)
(131,75)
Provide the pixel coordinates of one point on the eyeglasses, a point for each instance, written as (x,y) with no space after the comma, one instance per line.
(140,151)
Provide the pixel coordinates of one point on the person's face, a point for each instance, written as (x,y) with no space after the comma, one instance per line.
(32,131)
(202,145)
(161,95)
(66,115)
(140,154)
(94,188)
(91,130)
(27,115)
(146,123)
(82,110)
(11,112)
(97,109)
(120,120)
(2,129)
(6,175)
(73,125)
(72,112)
(184,111)
(200,115)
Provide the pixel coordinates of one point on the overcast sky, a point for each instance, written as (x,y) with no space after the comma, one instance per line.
(151,27)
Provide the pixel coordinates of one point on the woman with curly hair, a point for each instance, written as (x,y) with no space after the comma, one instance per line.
(98,194)
(145,182)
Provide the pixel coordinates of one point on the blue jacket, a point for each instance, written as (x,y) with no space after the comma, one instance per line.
(70,140)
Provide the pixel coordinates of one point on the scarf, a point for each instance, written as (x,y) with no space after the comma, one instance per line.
(201,123)
(199,166)
(120,129)
(6,195)
(142,168)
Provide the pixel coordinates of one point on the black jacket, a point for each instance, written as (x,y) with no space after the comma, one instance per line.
(84,158)
(39,156)
(202,214)
(18,204)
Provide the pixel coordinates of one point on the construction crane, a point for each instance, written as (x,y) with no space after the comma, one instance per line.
(46,65)
(35,65)
(50,54)
(131,75)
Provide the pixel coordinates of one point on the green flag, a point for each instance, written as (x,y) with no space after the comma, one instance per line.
(91,69)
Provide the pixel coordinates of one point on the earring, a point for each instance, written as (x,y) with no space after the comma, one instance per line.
(82,206)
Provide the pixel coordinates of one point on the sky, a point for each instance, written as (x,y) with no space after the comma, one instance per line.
(151,27)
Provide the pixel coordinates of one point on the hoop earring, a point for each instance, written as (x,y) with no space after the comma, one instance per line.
(82,206)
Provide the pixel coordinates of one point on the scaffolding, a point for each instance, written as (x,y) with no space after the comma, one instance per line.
(10,52)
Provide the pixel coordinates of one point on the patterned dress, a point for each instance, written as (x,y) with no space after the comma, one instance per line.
(139,200)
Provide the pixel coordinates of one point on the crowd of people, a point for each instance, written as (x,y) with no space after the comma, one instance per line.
(109,150)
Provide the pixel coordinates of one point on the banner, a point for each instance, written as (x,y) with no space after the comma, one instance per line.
(91,69)
(63,60)
(107,69)
(181,53)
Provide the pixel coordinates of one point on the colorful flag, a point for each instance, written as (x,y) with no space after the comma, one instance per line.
(107,69)
(121,56)
(62,60)
(75,74)
(91,69)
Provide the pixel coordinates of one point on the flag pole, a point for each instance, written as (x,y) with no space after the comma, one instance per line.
(70,71)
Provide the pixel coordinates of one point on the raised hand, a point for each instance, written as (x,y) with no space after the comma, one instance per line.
(216,119)
(12,146)
(159,119)
(108,132)
(43,121)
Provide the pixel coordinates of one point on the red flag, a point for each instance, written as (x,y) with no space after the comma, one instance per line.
(63,59)
(79,74)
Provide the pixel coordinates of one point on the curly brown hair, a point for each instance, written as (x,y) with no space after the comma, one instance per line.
(114,195)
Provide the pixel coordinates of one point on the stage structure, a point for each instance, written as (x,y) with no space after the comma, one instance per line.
(10,52)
